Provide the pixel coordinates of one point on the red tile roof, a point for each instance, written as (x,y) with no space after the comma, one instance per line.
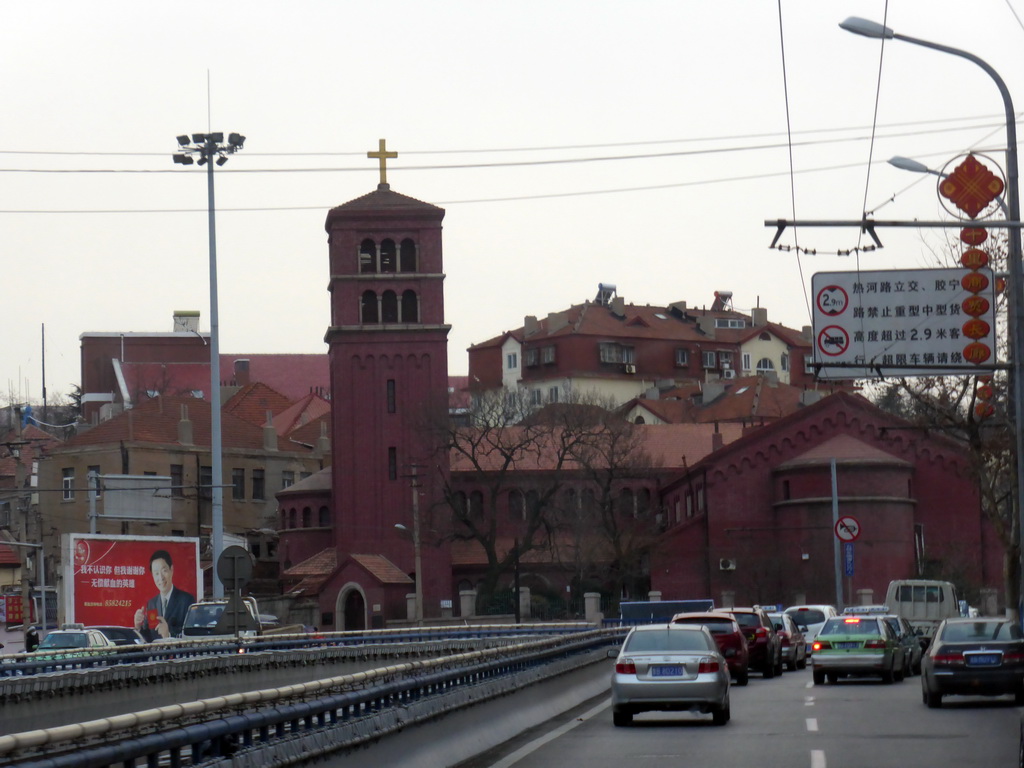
(253,401)
(383,569)
(323,563)
(843,447)
(156,421)
(308,408)
(294,376)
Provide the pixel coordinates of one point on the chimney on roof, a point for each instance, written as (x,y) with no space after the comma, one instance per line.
(269,433)
(759,317)
(717,439)
(323,443)
(706,325)
(530,325)
(678,305)
(185,427)
(619,306)
(242,372)
(807,333)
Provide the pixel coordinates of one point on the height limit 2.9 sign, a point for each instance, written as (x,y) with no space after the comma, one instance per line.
(903,322)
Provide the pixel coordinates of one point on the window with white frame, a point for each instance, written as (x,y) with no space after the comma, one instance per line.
(553,395)
(611,352)
(709,359)
(512,360)
(730,322)
(67,477)
(725,358)
(764,365)
(809,364)
(746,361)
(535,397)
(682,358)
(784,362)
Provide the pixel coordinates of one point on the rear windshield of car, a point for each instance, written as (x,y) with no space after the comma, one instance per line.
(981,630)
(809,616)
(851,626)
(666,640)
(65,640)
(715,626)
(747,619)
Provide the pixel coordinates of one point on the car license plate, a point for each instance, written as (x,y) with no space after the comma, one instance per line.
(673,670)
(846,645)
(982,659)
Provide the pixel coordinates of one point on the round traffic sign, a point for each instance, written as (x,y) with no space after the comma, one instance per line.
(847,528)
(832,300)
(833,341)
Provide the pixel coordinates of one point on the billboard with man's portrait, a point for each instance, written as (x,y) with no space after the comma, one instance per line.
(146,582)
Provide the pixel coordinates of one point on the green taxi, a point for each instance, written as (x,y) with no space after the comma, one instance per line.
(857,646)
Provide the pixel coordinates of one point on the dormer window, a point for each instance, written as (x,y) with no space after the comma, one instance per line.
(730,322)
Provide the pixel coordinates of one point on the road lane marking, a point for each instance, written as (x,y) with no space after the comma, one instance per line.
(812,724)
(808,701)
(817,758)
(536,744)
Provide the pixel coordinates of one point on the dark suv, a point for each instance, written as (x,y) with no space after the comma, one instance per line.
(763,643)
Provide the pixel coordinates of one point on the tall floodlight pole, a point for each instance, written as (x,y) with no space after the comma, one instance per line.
(1016,296)
(212,150)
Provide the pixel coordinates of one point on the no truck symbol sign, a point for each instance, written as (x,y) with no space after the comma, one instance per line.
(833,341)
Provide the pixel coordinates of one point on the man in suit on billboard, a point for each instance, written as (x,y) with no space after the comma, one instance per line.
(164,614)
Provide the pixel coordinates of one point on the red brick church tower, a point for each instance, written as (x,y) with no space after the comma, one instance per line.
(389,381)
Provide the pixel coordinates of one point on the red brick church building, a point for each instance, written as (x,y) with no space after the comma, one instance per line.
(751,522)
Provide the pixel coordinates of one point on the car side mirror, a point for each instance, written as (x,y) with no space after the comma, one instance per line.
(778,627)
(802,627)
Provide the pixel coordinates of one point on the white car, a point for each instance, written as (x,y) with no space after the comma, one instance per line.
(813,617)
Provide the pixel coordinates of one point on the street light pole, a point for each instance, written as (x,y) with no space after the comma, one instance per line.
(1016,296)
(212,150)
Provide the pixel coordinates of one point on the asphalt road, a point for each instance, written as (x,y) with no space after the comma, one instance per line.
(786,722)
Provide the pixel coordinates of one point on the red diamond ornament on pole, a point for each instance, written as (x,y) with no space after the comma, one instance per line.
(971,186)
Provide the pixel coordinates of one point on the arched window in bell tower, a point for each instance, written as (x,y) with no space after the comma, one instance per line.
(407,256)
(389,307)
(388,256)
(368,256)
(410,307)
(368,312)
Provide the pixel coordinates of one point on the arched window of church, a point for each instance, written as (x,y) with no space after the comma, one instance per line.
(589,500)
(476,504)
(639,420)
(569,502)
(325,517)
(532,505)
(764,365)
(459,504)
(292,518)
(368,313)
(307,517)
(388,256)
(410,307)
(368,256)
(284,518)
(389,307)
(516,505)
(407,256)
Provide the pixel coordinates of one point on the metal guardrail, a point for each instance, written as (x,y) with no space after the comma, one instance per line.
(296,723)
(21,664)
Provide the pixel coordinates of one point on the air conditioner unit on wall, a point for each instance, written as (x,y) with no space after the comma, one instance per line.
(630,368)
(726,564)
(729,373)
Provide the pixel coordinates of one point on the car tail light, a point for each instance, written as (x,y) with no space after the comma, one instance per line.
(820,644)
(761,632)
(948,659)
(785,641)
(875,644)
(625,668)
(1013,657)
(707,665)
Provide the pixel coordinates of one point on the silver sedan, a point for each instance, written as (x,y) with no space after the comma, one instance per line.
(669,667)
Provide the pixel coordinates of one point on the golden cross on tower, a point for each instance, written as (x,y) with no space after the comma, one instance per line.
(382,155)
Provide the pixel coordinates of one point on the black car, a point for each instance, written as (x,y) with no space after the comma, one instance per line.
(974,657)
(121,635)
(763,642)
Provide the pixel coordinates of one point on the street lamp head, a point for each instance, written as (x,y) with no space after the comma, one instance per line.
(183,140)
(198,138)
(216,138)
(221,160)
(867,28)
(236,140)
(202,160)
(183,159)
(907,164)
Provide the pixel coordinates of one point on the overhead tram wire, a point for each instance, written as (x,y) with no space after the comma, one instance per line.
(792,173)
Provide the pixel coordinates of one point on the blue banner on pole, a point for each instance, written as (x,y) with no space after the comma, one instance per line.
(848,557)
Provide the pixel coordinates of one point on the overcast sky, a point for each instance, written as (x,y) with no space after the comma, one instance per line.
(572,142)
